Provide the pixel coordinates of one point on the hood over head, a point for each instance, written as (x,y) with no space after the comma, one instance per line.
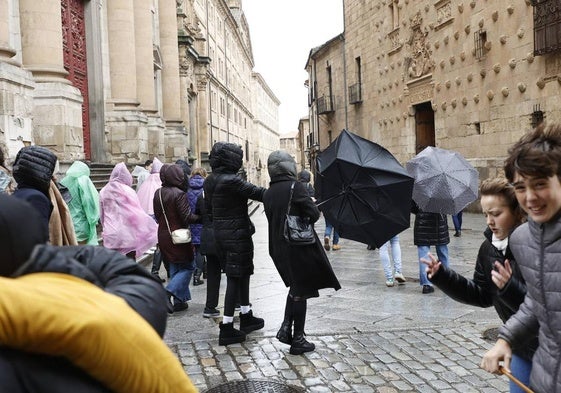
(34,167)
(304,176)
(226,157)
(281,165)
(156,165)
(18,240)
(172,176)
(121,174)
(185,166)
(78,169)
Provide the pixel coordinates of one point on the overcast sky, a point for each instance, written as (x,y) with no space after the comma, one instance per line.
(282,34)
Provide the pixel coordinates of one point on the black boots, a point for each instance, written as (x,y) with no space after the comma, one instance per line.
(229,334)
(249,323)
(284,335)
(300,345)
(197,278)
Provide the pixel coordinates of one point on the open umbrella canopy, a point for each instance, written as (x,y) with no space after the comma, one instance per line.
(445,182)
(364,191)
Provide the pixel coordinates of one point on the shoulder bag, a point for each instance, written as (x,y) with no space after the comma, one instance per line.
(179,236)
(298,231)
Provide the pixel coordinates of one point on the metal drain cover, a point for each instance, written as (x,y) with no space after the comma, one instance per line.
(253,385)
(490,335)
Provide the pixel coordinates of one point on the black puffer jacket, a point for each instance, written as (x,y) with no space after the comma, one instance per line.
(481,291)
(226,198)
(430,229)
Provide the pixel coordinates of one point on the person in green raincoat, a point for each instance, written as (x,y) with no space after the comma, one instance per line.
(84,205)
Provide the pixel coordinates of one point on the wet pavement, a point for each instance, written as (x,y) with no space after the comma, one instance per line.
(369,337)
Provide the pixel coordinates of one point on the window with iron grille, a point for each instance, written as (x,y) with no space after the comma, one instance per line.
(480,38)
(537,116)
(547,26)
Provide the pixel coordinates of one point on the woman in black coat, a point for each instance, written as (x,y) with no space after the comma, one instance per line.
(304,269)
(226,198)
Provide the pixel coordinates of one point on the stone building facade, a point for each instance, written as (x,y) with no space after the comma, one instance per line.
(125,80)
(265,136)
(470,76)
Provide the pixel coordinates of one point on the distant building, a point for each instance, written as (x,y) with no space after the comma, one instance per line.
(111,81)
(265,135)
(468,76)
(290,142)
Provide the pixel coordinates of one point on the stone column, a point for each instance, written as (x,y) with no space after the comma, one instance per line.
(122,53)
(41,31)
(57,105)
(204,143)
(6,52)
(170,60)
(144,53)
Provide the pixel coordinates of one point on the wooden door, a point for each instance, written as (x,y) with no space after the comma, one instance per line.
(424,126)
(75,60)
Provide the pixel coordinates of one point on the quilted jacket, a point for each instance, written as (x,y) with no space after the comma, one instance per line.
(537,248)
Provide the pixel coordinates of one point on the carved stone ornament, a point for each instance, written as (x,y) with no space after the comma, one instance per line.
(420,53)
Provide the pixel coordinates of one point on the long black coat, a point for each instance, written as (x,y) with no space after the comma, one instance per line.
(304,269)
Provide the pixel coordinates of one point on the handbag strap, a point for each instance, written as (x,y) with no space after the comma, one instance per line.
(164,211)
(290,198)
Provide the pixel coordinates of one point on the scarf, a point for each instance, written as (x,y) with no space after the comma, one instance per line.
(500,245)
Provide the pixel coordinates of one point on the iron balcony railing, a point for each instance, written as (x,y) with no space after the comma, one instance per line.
(325,104)
(355,94)
(547,26)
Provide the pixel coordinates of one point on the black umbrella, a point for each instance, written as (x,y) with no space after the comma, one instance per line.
(364,191)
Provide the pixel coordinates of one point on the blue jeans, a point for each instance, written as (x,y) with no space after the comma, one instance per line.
(521,369)
(396,256)
(180,276)
(328,229)
(457,220)
(441,252)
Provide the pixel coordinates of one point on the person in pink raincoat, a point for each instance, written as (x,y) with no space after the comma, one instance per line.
(127,228)
(149,186)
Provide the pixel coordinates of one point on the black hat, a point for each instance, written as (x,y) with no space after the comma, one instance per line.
(34,167)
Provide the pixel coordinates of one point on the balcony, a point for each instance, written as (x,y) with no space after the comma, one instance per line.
(547,26)
(355,94)
(325,105)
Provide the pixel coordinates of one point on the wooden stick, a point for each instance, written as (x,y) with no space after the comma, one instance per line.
(503,371)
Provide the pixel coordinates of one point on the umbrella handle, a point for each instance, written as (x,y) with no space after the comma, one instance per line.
(503,371)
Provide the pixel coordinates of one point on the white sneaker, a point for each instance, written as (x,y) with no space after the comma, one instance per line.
(399,278)
(390,282)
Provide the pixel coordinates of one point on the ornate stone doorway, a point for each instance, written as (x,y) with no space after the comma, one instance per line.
(75,59)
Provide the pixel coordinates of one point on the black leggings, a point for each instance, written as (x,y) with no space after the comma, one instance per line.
(236,286)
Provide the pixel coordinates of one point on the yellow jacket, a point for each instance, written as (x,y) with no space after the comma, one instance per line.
(61,315)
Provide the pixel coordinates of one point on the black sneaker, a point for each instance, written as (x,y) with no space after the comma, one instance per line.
(211,313)
(428,289)
(180,306)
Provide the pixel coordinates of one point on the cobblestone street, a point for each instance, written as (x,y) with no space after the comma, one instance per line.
(369,338)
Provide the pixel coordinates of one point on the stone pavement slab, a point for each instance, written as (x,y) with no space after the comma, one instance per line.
(369,338)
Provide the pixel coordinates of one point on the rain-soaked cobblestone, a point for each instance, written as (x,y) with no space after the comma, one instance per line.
(369,338)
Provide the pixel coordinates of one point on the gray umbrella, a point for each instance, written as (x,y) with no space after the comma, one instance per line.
(444,181)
